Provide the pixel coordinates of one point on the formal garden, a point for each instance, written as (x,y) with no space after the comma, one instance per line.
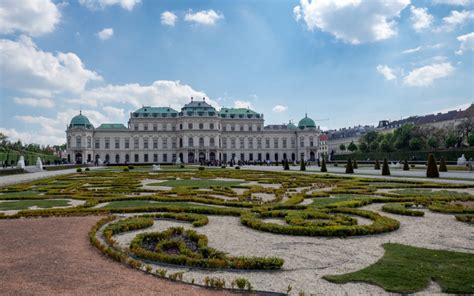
(281,232)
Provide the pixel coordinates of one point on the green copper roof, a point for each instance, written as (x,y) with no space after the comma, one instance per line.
(148,109)
(80,121)
(306,122)
(112,126)
(198,106)
(291,126)
(237,111)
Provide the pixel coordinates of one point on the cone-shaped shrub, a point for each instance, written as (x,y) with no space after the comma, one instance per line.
(323,166)
(385,168)
(406,167)
(349,168)
(377,165)
(432,169)
(302,166)
(354,165)
(442,165)
(286,166)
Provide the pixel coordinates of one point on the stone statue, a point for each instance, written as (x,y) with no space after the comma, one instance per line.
(39,164)
(462,160)
(21,162)
(156,167)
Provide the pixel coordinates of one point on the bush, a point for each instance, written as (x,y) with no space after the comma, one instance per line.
(237,167)
(401,209)
(349,168)
(87,169)
(201,168)
(286,166)
(442,165)
(432,169)
(354,165)
(130,167)
(223,166)
(241,283)
(79,170)
(385,168)
(125,169)
(323,166)
(377,165)
(302,165)
(406,167)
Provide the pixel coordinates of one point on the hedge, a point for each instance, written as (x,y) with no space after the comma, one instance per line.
(449,155)
(401,209)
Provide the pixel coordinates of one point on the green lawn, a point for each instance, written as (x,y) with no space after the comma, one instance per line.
(144,203)
(196,183)
(25,204)
(320,202)
(406,269)
(19,193)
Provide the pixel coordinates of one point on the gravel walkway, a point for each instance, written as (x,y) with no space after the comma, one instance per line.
(307,259)
(53,256)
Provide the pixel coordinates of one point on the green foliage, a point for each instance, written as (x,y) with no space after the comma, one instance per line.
(401,209)
(204,183)
(302,165)
(354,165)
(385,168)
(465,218)
(364,147)
(432,168)
(241,284)
(201,168)
(470,139)
(406,269)
(214,282)
(352,147)
(349,168)
(286,166)
(25,204)
(406,167)
(450,140)
(442,165)
(78,170)
(323,166)
(342,147)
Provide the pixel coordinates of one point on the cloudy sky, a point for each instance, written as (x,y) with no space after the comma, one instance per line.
(344,62)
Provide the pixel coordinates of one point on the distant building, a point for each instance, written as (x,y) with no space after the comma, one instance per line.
(198,133)
(448,120)
(346,136)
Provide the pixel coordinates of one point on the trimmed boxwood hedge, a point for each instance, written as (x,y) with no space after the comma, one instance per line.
(401,209)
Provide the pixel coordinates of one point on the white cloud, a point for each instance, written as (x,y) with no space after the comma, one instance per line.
(159,93)
(243,104)
(33,137)
(420,18)
(467,43)
(105,33)
(32,17)
(425,75)
(412,50)
(453,2)
(279,109)
(168,18)
(44,103)
(456,19)
(29,69)
(118,114)
(101,4)
(352,21)
(387,72)
(203,17)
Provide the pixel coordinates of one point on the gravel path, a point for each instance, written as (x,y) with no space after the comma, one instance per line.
(307,259)
(53,256)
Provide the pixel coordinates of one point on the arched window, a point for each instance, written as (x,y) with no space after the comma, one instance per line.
(107,158)
(117,158)
(127,158)
(212,142)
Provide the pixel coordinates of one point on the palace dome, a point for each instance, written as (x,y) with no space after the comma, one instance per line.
(306,122)
(80,121)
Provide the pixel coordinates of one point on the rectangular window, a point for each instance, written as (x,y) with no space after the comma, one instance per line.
(145,143)
(241,127)
(211,126)
(250,127)
(275,143)
(117,143)
(173,127)
(173,157)
(224,128)
(165,143)
(242,157)
(201,126)
(127,143)
(232,127)
(136,158)
(145,157)
(293,143)
(232,143)
(135,127)
(173,143)
(97,143)
(259,128)
(190,126)
(242,145)
(155,127)
(267,143)
(155,143)
(301,142)
(284,144)
(259,143)
(165,157)
(135,143)
(250,143)
(145,127)
(224,142)
(155,157)
(251,157)
(78,141)
(89,142)
(107,143)
(260,157)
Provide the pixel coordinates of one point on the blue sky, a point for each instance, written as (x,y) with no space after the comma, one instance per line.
(347,62)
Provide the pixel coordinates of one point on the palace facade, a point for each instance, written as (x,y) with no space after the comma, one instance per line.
(197,133)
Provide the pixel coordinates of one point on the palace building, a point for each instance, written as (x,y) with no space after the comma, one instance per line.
(198,133)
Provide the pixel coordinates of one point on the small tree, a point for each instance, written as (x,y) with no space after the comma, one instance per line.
(385,168)
(354,165)
(470,140)
(286,166)
(442,165)
(406,167)
(349,168)
(352,147)
(303,165)
(377,165)
(323,166)
(342,147)
(432,169)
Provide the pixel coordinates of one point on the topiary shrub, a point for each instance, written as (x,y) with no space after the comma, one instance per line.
(125,169)
(87,169)
(442,165)
(354,165)
(181,166)
(377,165)
(130,167)
(303,166)
(406,167)
(237,167)
(223,166)
(79,170)
(286,166)
(432,169)
(201,168)
(385,168)
(349,168)
(323,166)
